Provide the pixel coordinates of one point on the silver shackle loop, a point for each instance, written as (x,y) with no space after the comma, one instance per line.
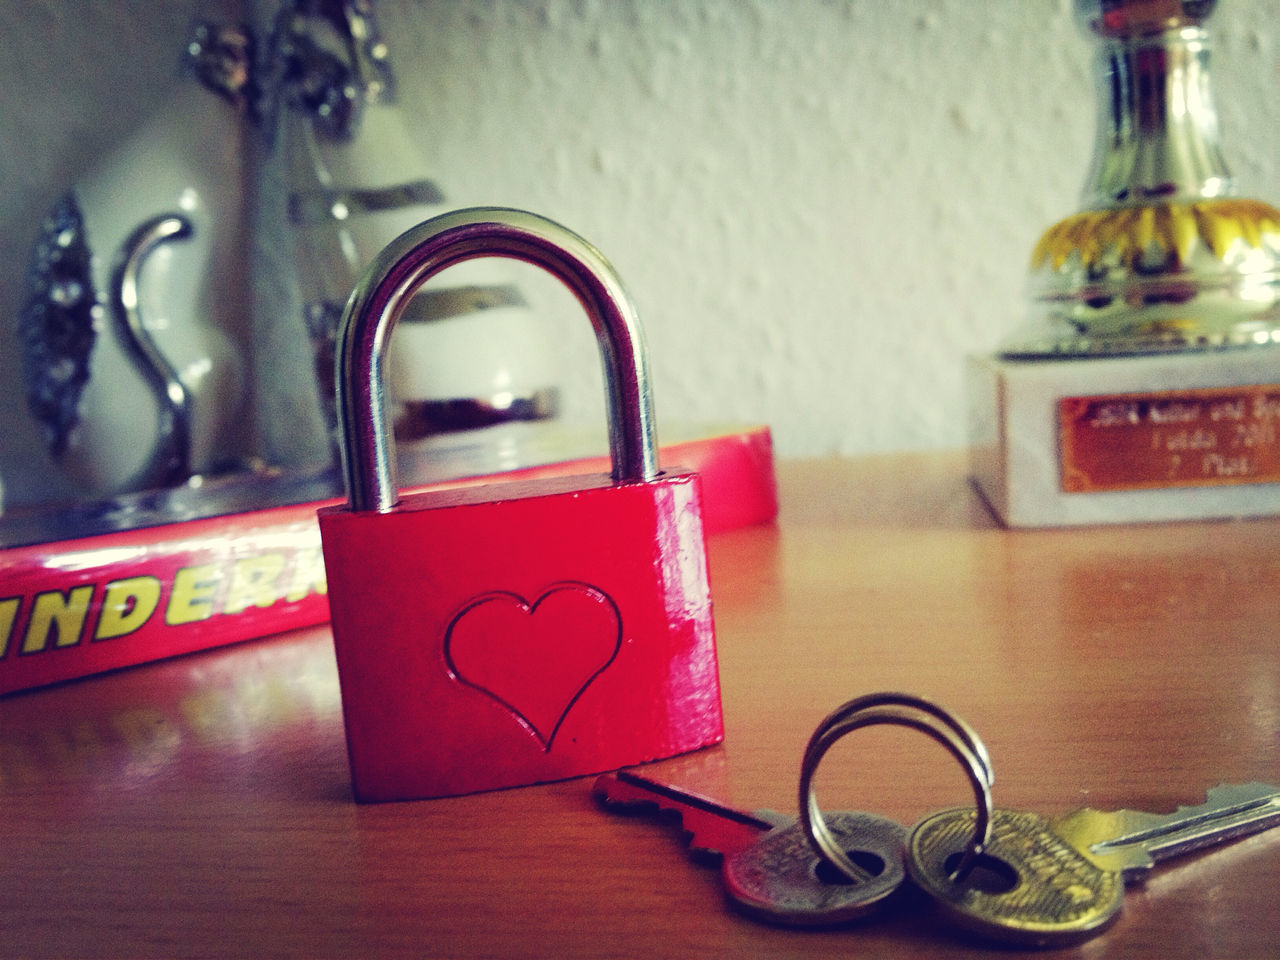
(907,710)
(408,262)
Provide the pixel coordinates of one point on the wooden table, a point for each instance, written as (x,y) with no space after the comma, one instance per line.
(201,806)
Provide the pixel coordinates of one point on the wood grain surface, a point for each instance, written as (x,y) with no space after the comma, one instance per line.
(201,806)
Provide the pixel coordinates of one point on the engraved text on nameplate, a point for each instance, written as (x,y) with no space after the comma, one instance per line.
(1170,438)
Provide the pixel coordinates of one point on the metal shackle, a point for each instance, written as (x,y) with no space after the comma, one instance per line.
(405,264)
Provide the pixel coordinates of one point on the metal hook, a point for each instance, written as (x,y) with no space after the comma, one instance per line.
(170,462)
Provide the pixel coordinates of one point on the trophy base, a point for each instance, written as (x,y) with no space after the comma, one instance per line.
(1189,436)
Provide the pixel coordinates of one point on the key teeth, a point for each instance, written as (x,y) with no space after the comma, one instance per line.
(1134,841)
(1243,795)
(1254,792)
(1224,794)
(606,790)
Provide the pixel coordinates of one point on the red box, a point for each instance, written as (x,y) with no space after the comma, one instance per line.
(76,607)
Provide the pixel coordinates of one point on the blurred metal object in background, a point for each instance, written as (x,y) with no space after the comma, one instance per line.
(1164,257)
(133,347)
(345,176)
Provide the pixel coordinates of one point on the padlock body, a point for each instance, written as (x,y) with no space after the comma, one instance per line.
(515,633)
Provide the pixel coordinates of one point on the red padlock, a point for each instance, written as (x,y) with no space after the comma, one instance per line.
(518,632)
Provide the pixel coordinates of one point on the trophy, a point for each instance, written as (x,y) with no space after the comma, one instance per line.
(1147,384)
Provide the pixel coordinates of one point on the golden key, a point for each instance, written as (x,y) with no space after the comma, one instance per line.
(1041,882)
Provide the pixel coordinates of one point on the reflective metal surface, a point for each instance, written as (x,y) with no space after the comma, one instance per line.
(315,206)
(170,461)
(406,264)
(1163,257)
(329,74)
(221,58)
(416,419)
(56,327)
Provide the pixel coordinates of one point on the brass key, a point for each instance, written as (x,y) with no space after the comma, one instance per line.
(1042,882)
(820,868)
(768,868)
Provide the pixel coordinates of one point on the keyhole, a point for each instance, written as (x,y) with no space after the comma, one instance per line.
(864,859)
(989,874)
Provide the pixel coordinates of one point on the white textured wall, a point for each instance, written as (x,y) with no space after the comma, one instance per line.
(818,207)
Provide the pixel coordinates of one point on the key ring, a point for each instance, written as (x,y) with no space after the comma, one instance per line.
(903,710)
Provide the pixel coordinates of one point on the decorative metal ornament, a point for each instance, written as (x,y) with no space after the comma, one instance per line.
(344,177)
(57,324)
(132,330)
(1164,257)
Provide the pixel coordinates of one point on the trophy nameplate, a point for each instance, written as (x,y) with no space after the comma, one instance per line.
(1180,438)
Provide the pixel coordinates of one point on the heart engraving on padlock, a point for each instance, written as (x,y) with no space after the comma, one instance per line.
(535,659)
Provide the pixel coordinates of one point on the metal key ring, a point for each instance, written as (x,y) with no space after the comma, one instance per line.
(815,824)
(902,710)
(956,724)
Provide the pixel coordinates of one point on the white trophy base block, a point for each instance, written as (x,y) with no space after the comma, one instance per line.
(1126,439)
